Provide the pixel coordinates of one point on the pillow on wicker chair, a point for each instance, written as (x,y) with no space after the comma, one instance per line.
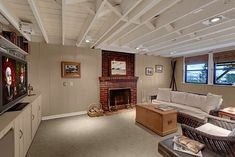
(214,130)
(232,133)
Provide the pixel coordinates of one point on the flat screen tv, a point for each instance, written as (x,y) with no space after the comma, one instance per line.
(13,81)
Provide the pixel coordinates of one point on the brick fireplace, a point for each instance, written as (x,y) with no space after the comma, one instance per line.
(110,82)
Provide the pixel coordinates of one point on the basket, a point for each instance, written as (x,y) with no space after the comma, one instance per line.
(95,110)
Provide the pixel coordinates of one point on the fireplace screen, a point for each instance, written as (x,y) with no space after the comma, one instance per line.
(119,97)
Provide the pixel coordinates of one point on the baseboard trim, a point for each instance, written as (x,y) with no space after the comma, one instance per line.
(64,115)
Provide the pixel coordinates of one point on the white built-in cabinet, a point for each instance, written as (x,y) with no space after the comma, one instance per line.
(23,135)
(36,115)
(25,126)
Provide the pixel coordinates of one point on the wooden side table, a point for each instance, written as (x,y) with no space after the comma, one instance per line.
(229,112)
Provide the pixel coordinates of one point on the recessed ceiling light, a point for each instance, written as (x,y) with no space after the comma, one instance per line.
(137,48)
(173,52)
(87,41)
(215,19)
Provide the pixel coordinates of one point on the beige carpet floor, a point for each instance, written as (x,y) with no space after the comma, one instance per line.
(108,136)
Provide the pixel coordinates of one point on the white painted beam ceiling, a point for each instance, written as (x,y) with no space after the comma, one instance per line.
(153,27)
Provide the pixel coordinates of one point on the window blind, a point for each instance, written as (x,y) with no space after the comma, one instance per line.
(197,59)
(226,56)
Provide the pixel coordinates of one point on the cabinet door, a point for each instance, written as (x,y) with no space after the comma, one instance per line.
(27,129)
(39,109)
(19,137)
(34,117)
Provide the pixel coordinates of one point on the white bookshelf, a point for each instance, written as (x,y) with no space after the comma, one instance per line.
(8,45)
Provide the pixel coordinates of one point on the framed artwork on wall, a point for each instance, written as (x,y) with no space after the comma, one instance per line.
(70,69)
(158,68)
(149,71)
(118,67)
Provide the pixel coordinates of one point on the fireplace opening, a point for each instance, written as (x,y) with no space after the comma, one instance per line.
(119,98)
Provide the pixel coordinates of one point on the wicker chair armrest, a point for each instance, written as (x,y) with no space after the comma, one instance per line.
(221,122)
(222,145)
(189,120)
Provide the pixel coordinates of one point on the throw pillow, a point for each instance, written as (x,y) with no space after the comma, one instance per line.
(178,97)
(212,102)
(164,94)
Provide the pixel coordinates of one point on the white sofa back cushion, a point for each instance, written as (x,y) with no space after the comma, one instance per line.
(164,94)
(212,102)
(195,100)
(178,97)
(211,129)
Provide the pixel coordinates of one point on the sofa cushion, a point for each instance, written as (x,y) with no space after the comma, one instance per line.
(196,112)
(164,94)
(178,97)
(211,129)
(193,100)
(180,107)
(212,102)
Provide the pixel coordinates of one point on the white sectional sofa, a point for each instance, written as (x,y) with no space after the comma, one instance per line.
(198,106)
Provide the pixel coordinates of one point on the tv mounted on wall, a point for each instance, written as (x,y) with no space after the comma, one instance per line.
(13,81)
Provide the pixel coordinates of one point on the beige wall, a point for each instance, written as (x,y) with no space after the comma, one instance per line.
(148,85)
(226,91)
(45,76)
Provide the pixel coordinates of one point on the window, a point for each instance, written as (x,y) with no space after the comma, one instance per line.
(224,73)
(196,73)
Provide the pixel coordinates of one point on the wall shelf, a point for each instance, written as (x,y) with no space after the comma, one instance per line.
(8,45)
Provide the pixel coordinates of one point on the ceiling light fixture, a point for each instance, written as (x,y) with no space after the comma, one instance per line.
(87,41)
(173,52)
(137,48)
(215,19)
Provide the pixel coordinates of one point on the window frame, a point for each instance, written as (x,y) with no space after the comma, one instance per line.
(214,75)
(186,81)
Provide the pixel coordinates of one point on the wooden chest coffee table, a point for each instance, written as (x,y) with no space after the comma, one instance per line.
(161,122)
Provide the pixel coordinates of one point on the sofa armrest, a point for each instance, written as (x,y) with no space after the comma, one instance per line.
(221,122)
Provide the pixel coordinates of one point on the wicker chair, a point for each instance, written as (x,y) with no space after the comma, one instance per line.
(192,121)
(221,145)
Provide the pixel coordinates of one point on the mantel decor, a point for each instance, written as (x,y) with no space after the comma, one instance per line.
(70,69)
(118,67)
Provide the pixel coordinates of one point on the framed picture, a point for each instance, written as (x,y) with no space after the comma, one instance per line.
(158,68)
(118,68)
(149,71)
(70,70)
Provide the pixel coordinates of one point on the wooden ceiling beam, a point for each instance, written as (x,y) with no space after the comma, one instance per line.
(217,42)
(133,16)
(113,27)
(36,13)
(178,11)
(89,22)
(145,18)
(199,34)
(15,21)
(188,22)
